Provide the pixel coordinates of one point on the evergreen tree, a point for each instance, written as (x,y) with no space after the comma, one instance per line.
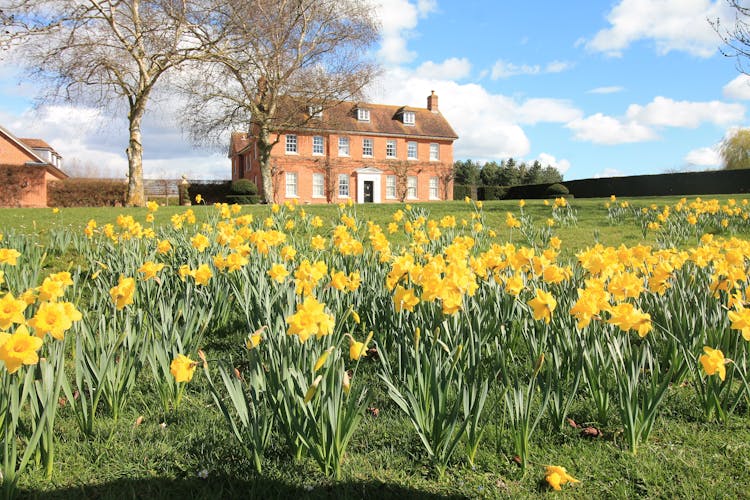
(466,172)
(490,174)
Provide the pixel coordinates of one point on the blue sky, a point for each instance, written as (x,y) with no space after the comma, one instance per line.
(595,88)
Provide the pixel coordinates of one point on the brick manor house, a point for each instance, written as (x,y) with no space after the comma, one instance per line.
(369,153)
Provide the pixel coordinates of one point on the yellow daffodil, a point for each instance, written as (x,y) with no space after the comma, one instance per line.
(9,256)
(200,242)
(122,294)
(542,305)
(149,269)
(310,319)
(202,275)
(741,321)
(164,246)
(557,476)
(53,318)
(19,349)
(11,311)
(182,368)
(358,349)
(713,362)
(404,299)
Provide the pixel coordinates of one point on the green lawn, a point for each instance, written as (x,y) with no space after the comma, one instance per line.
(592,217)
(189,453)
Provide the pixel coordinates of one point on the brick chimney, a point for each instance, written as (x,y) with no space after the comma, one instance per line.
(432,102)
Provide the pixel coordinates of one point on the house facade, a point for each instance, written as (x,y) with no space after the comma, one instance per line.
(367,153)
(26,165)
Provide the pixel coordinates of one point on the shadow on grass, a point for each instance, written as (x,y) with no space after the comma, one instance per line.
(229,487)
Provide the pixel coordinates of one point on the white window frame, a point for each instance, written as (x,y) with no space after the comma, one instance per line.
(363,115)
(343,186)
(411,187)
(344,146)
(434,188)
(390,187)
(390,144)
(412,147)
(291,146)
(434,151)
(318,185)
(290,181)
(410,118)
(368,145)
(319,144)
(315,111)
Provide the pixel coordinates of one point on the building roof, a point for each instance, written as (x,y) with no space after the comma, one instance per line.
(35,143)
(23,146)
(342,118)
(384,120)
(238,142)
(28,146)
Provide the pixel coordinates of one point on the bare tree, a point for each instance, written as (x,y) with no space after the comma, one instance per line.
(109,53)
(402,170)
(446,174)
(276,61)
(736,37)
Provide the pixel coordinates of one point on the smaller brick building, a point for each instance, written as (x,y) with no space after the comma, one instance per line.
(26,165)
(369,153)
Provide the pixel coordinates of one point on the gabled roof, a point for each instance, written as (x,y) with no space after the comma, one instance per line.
(37,144)
(28,146)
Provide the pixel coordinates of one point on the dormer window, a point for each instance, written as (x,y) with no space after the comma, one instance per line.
(315,111)
(363,115)
(409,118)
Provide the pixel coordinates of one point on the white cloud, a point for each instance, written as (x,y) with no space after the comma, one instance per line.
(561,165)
(398,18)
(603,129)
(539,110)
(424,7)
(704,157)
(640,122)
(672,25)
(558,66)
(666,112)
(739,88)
(88,138)
(450,69)
(608,172)
(505,69)
(606,90)
(489,125)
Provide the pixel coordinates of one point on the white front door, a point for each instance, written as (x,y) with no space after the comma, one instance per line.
(368,185)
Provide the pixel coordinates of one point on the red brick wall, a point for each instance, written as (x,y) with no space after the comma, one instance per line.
(11,154)
(23,186)
(304,163)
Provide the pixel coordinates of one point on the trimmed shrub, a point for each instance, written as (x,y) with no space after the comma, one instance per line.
(491,192)
(210,191)
(461,191)
(243,199)
(244,187)
(557,189)
(86,193)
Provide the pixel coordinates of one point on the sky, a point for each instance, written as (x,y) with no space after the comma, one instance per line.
(594,88)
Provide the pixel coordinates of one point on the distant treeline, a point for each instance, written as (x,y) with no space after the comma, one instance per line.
(506,173)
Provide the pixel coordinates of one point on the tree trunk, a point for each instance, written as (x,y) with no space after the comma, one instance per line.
(264,160)
(136,196)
